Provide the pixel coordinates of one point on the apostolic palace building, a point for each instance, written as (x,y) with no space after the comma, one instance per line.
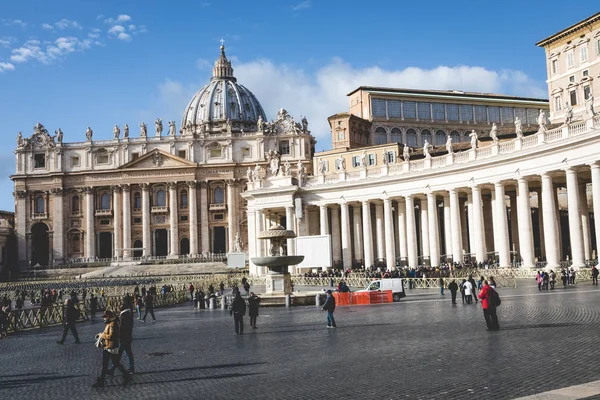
(413,177)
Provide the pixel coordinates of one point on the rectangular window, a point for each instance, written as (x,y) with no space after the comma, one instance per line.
(391,157)
(102,158)
(554,67)
(424,111)
(338,164)
(532,115)
(573,97)
(583,53)
(182,154)
(494,114)
(218,217)
(372,159)
(105,222)
(135,156)
(40,160)
(572,78)
(394,108)
(378,107)
(246,152)
(586,92)
(356,161)
(507,115)
(557,103)
(466,112)
(409,109)
(183,218)
(137,220)
(284,147)
(439,112)
(215,153)
(586,73)
(480,113)
(341,135)
(74,161)
(522,114)
(452,112)
(570,59)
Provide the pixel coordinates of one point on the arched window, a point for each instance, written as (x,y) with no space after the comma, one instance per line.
(396,135)
(411,138)
(161,198)
(183,203)
(380,136)
(137,201)
(138,246)
(75,204)
(440,138)
(426,135)
(455,136)
(219,195)
(105,201)
(39,205)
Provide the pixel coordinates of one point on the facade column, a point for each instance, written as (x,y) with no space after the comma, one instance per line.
(117,230)
(478,225)
(411,233)
(173,222)
(561,255)
(425,232)
(147,250)
(502,229)
(345,228)
(21,225)
(252,234)
(193,217)
(514,224)
(595,170)
(336,246)
(232,207)
(390,248)
(585,222)
(447,227)
(379,230)
(367,233)
(550,223)
(464,231)
(471,229)
(357,225)
(455,227)
(523,213)
(323,219)
(90,233)
(495,223)
(488,216)
(434,237)
(126,221)
(259,222)
(59,225)
(290,226)
(541,223)
(204,236)
(402,231)
(575,233)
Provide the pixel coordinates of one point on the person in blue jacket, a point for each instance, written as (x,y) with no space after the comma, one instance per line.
(329,306)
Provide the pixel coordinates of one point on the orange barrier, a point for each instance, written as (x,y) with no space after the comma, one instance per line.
(357,298)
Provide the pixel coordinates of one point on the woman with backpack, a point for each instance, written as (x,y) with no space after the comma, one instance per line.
(489,302)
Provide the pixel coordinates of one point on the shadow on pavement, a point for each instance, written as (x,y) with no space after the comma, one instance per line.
(17,383)
(530,326)
(218,366)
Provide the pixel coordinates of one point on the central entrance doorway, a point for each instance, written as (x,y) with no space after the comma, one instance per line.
(219,239)
(160,242)
(39,244)
(105,245)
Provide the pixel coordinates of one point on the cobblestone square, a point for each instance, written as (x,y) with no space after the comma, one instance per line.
(420,348)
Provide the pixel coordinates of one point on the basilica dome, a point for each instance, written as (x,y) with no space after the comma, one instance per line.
(221,100)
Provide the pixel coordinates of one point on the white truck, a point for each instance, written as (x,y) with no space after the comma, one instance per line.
(393,284)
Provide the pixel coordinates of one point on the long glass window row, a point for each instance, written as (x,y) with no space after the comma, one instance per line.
(451,112)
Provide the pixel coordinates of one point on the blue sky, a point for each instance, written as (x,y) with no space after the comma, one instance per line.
(73,64)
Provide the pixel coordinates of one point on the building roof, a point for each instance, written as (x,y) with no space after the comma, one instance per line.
(567,31)
(446,93)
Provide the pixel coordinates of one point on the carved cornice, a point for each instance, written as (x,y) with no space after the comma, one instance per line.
(126,187)
(115,188)
(203,184)
(21,194)
(192,184)
(172,185)
(88,189)
(57,191)
(144,186)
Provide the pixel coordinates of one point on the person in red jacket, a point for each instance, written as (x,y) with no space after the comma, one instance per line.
(489,310)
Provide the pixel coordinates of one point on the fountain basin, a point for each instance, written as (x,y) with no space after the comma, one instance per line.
(273,262)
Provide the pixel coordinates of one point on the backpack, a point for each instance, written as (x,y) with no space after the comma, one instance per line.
(494,298)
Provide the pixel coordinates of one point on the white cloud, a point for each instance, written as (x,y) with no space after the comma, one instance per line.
(124,36)
(14,22)
(54,51)
(116,29)
(302,6)
(6,67)
(6,42)
(93,35)
(66,24)
(123,18)
(47,27)
(121,30)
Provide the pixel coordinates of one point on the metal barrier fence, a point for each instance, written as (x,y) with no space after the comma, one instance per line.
(412,283)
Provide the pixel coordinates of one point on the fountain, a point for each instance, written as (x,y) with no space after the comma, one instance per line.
(278,279)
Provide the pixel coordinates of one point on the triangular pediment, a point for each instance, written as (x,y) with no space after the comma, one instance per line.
(158,159)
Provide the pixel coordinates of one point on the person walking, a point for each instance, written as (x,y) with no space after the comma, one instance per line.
(110,345)
(125,338)
(149,304)
(489,309)
(453,287)
(238,310)
(539,280)
(93,306)
(70,315)
(253,304)
(441,281)
(468,288)
(462,290)
(474,290)
(594,275)
(552,279)
(329,306)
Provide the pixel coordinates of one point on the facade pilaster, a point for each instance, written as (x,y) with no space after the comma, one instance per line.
(595,171)
(478,225)
(193,217)
(379,230)
(523,213)
(126,221)
(390,248)
(59,225)
(204,236)
(550,223)
(502,228)
(434,236)
(146,239)
(90,233)
(575,232)
(357,234)
(232,207)
(21,225)
(411,233)
(117,230)
(367,233)
(173,223)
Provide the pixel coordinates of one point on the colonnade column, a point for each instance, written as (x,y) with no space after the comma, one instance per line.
(173,223)
(447,227)
(411,233)
(193,217)
(514,225)
(595,170)
(59,225)
(324,220)
(455,226)
(575,234)
(290,226)
(424,232)
(550,224)
(126,221)
(147,249)
(525,226)
(345,228)
(434,236)
(390,248)
(585,222)
(90,234)
(402,229)
(471,230)
(252,234)
(358,240)
(502,229)
(204,236)
(258,244)
(478,225)
(367,233)
(231,214)
(117,203)
(336,246)
(379,230)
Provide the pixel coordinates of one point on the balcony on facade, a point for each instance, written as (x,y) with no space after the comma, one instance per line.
(217,207)
(160,209)
(103,212)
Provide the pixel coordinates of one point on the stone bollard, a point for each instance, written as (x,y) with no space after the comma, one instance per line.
(318,300)
(211,303)
(223,303)
(288,300)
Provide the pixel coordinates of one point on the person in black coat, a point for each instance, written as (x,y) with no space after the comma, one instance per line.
(93,306)
(329,306)
(125,338)
(71,314)
(253,304)
(453,288)
(238,310)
